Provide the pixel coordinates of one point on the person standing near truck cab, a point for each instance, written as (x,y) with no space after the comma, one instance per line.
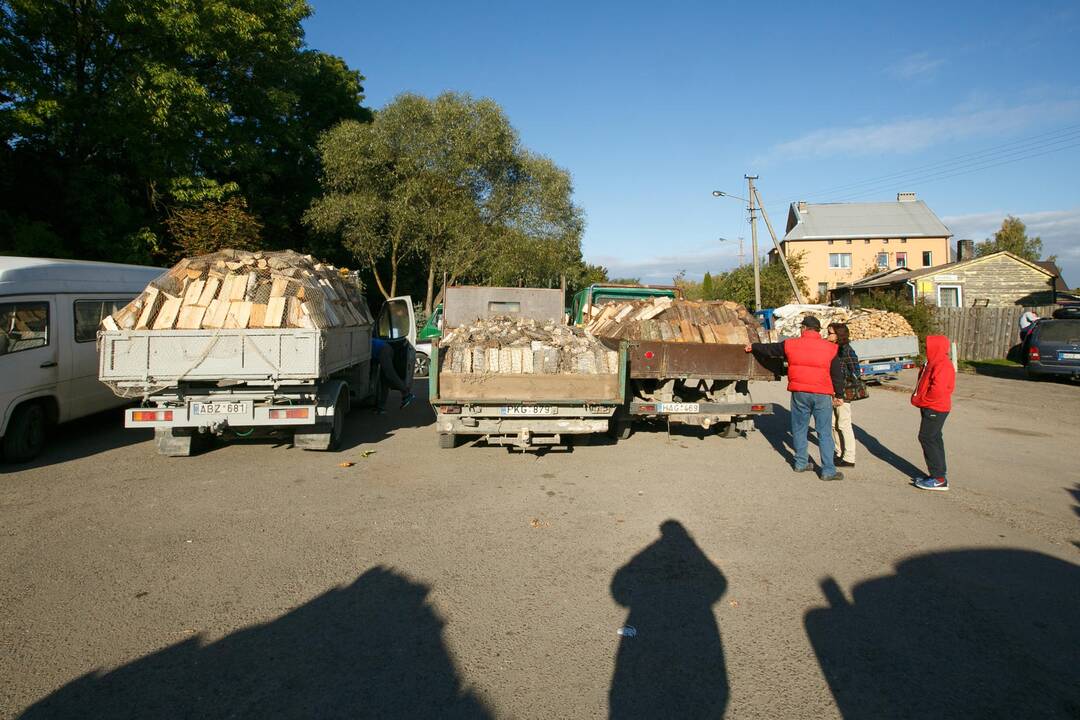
(816,384)
(383,354)
(933,397)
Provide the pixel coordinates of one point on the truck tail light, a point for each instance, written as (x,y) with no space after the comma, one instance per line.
(647,408)
(909,366)
(291,414)
(1033,354)
(451,409)
(151,415)
(757,408)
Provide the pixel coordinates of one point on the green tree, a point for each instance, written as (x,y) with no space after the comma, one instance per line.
(108,103)
(738,284)
(447,180)
(707,287)
(1011,237)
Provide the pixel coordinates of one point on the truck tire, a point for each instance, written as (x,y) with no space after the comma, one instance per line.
(621,429)
(26,433)
(728,430)
(337,431)
(447,441)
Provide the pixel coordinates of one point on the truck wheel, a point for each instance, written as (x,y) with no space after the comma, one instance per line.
(447,441)
(337,430)
(728,430)
(25,438)
(621,429)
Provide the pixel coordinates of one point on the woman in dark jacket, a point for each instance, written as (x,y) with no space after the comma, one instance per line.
(842,431)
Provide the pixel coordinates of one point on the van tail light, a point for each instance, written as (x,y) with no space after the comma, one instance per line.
(291,414)
(151,415)
(1033,353)
(909,366)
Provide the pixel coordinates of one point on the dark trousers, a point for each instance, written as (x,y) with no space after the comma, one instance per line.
(933,446)
(390,377)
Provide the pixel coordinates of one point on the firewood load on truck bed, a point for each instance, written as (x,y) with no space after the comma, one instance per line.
(863,323)
(515,346)
(675,320)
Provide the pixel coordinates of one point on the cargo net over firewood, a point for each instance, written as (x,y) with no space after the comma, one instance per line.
(516,346)
(863,323)
(234,289)
(670,320)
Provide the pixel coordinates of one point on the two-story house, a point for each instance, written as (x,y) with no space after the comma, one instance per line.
(843,242)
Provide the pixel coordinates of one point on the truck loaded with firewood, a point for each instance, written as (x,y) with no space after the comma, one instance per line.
(686,359)
(239,343)
(509,370)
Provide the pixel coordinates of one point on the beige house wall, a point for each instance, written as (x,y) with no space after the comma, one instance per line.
(994,282)
(864,253)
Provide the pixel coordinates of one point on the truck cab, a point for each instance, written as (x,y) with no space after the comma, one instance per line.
(601,294)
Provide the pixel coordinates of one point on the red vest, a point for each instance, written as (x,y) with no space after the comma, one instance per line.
(809,358)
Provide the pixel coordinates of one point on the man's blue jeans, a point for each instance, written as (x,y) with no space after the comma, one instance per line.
(803,405)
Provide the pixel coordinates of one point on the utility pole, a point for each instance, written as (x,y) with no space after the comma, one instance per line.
(779,250)
(753,242)
(742,255)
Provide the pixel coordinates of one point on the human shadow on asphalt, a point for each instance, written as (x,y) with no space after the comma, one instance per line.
(885,455)
(370,649)
(674,666)
(83,438)
(777,430)
(963,634)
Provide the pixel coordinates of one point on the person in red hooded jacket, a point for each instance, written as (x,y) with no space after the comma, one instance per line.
(933,397)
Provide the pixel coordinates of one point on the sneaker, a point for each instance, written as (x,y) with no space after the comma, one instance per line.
(805,468)
(835,476)
(408,398)
(844,463)
(929,483)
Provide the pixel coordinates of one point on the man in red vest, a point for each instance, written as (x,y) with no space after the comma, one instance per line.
(816,384)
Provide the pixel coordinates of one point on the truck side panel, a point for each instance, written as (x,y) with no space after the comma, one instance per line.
(657,359)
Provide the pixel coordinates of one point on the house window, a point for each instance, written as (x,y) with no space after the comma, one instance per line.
(950,296)
(927,258)
(901,259)
(883,261)
(840,260)
(822,290)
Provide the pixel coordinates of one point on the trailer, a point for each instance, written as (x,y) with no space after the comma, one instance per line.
(882,358)
(517,409)
(693,383)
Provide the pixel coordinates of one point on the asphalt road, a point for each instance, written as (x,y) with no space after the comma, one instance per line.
(260,581)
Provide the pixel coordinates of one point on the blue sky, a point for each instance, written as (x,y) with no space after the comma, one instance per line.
(650,107)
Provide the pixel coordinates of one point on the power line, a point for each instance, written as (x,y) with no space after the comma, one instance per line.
(1031,142)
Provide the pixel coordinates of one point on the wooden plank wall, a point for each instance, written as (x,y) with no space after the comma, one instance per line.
(984,333)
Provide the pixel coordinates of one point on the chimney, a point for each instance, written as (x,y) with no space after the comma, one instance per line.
(802,207)
(906,197)
(965,250)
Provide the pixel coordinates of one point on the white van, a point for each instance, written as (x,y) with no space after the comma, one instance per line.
(49,316)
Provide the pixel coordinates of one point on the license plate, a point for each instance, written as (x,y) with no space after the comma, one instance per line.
(221,408)
(1069,356)
(885,366)
(529,410)
(679,407)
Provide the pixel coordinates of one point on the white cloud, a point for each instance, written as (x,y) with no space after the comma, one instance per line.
(1059,231)
(915,134)
(915,66)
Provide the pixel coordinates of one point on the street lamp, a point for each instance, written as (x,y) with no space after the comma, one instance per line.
(753,235)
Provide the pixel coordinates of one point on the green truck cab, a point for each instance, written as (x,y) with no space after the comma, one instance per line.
(428,334)
(599,294)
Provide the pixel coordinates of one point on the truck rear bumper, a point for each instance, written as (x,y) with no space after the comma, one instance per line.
(258,416)
(472,425)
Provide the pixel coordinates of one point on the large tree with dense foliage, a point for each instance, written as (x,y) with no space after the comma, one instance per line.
(1012,237)
(106,106)
(448,181)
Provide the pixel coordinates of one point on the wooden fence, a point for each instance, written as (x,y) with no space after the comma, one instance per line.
(984,333)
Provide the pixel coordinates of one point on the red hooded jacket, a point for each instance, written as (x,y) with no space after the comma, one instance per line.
(937,378)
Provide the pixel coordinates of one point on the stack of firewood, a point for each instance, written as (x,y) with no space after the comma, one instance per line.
(863,323)
(515,346)
(667,319)
(238,289)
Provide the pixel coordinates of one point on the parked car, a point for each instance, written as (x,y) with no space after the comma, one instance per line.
(431,330)
(1053,349)
(50,311)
